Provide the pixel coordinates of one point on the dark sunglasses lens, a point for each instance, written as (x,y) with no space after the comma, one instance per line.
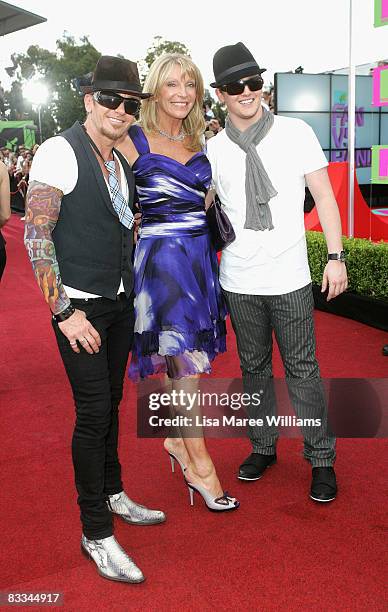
(109,100)
(237,88)
(131,106)
(113,101)
(234,89)
(255,84)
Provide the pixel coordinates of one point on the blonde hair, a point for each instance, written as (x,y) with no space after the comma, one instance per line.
(194,123)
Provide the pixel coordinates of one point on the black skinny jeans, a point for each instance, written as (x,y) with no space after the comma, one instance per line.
(97,384)
(3,260)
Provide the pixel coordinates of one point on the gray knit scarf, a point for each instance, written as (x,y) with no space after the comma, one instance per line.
(258,187)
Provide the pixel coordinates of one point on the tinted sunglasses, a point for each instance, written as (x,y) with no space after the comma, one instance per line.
(237,87)
(112,100)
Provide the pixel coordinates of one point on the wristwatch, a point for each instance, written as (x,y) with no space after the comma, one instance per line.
(337,256)
(65,314)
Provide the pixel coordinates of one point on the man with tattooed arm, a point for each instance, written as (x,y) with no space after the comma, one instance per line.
(79,237)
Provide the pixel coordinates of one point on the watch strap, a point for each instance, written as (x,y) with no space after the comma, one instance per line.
(336,256)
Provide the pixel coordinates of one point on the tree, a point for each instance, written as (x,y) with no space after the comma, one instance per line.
(57,69)
(207,98)
(158,47)
(14,102)
(219,111)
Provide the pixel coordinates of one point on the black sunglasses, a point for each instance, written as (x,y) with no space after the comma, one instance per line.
(237,88)
(112,100)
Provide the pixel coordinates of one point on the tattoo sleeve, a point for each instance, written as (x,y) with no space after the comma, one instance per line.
(43,204)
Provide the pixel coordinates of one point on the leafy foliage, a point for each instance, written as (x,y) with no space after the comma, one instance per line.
(367,264)
(160,46)
(57,69)
(157,48)
(220,112)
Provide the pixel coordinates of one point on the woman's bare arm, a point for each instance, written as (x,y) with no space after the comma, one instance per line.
(5,197)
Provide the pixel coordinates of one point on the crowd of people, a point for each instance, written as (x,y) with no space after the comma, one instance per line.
(18,164)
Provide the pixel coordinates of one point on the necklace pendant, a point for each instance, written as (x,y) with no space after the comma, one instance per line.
(177,138)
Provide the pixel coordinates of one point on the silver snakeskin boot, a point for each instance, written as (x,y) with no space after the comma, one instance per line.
(134,513)
(112,561)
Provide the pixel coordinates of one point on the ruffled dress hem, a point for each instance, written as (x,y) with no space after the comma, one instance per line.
(189,354)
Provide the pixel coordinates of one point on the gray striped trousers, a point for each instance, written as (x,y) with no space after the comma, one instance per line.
(290,317)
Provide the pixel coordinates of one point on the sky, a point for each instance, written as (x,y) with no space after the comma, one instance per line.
(281,34)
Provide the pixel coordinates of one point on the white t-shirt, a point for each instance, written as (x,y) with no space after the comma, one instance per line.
(55,164)
(269,262)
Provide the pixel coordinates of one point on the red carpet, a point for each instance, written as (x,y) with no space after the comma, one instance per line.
(279,551)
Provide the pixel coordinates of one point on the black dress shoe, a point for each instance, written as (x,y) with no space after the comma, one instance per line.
(254,466)
(323,484)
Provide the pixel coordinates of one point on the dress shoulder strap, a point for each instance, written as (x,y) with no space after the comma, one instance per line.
(138,138)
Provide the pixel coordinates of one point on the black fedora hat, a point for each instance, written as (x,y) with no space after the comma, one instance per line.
(233,63)
(114,74)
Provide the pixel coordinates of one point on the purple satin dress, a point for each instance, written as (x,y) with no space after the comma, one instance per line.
(179,307)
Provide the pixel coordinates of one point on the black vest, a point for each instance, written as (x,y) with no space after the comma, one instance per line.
(94,250)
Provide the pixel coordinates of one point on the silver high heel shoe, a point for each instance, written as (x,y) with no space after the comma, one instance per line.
(215,504)
(174,458)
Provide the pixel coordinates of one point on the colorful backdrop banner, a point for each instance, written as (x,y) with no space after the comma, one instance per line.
(380,164)
(381,13)
(16,133)
(380,86)
(322,101)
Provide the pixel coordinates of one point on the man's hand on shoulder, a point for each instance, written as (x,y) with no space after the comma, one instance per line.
(335,278)
(137,216)
(78,329)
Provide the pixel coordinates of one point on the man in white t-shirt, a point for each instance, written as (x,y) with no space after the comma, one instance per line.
(79,237)
(260,165)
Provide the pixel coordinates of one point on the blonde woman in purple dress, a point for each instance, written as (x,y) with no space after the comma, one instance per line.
(180,312)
